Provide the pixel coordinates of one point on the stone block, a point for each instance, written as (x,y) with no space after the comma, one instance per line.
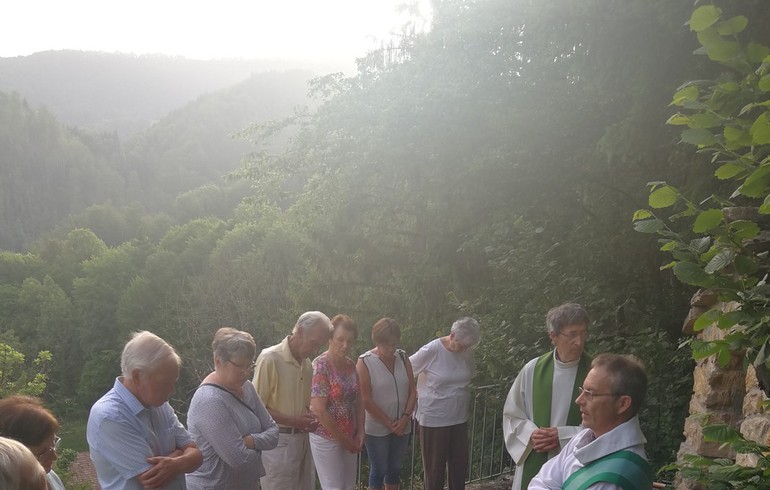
(756,428)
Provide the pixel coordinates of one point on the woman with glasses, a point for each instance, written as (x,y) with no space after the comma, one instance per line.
(26,420)
(444,368)
(228,421)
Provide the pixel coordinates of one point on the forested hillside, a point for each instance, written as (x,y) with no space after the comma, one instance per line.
(49,170)
(489,167)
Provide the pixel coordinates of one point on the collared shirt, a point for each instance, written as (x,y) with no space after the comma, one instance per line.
(282,383)
(122,433)
(584,448)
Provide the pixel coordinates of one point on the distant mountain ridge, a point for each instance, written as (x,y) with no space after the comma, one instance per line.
(51,168)
(124,92)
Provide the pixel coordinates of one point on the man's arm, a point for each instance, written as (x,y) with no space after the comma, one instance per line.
(165,468)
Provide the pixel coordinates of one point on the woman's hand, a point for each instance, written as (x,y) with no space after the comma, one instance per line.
(353,445)
(249,441)
(399,426)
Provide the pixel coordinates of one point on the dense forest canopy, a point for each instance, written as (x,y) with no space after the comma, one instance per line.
(489,167)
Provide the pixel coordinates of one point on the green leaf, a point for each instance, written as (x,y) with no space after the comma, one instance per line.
(760,130)
(668,266)
(723,357)
(707,220)
(701,349)
(641,214)
(648,225)
(669,245)
(743,230)
(765,207)
(745,265)
(687,93)
(724,50)
(728,171)
(700,245)
(678,119)
(721,433)
(704,120)
(720,261)
(728,87)
(663,197)
(731,318)
(698,137)
(731,26)
(692,274)
(756,53)
(704,17)
(756,184)
(732,133)
(764,83)
(707,318)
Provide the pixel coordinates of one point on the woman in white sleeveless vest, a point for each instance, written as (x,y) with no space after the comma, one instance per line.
(389,395)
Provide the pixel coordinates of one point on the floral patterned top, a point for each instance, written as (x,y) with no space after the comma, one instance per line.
(341,388)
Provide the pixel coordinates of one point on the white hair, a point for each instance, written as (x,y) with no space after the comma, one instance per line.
(309,319)
(19,468)
(145,351)
(466,330)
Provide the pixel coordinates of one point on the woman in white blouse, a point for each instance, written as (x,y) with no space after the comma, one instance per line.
(444,368)
(389,396)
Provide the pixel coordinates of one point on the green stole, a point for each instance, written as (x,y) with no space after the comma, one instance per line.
(624,468)
(542,391)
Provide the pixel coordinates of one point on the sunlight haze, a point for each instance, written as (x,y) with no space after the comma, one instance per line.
(293,29)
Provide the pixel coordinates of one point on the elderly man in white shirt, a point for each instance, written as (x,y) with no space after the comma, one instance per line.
(609,453)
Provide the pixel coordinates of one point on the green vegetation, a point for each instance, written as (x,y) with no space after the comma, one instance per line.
(488,167)
(719,242)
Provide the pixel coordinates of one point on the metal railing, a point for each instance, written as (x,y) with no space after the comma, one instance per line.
(487,456)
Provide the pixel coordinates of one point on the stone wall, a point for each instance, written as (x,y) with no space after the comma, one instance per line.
(728,395)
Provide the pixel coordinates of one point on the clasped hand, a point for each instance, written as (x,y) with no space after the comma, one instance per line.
(545,439)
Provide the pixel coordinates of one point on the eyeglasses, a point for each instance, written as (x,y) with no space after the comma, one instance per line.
(575,334)
(589,395)
(248,367)
(54,448)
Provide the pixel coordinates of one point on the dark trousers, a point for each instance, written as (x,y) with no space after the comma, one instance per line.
(444,448)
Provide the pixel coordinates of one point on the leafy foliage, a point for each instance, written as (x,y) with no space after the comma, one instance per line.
(720,242)
(17,376)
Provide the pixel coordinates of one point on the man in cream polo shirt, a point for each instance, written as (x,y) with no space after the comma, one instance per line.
(282,378)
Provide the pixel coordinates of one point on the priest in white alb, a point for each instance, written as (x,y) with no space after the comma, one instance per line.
(540,416)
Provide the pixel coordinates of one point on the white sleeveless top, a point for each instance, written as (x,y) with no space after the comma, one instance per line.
(389,391)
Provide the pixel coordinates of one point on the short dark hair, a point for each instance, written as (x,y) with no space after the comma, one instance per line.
(565,315)
(346,323)
(25,419)
(385,330)
(627,377)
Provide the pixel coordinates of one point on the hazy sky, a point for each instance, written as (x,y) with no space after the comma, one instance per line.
(306,29)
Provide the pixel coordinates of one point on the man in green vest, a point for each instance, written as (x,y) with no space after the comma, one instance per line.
(609,453)
(540,417)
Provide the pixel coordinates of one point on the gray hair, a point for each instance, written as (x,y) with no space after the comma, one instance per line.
(145,351)
(466,330)
(19,468)
(230,343)
(563,316)
(309,319)
(627,377)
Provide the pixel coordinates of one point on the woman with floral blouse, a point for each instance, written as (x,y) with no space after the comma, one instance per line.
(335,399)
